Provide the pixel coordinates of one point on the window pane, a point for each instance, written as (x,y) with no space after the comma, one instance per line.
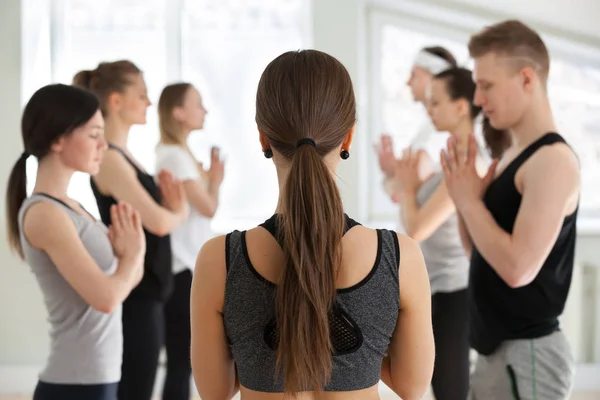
(109,30)
(574,92)
(226,46)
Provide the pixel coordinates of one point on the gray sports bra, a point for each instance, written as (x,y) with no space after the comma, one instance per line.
(361,328)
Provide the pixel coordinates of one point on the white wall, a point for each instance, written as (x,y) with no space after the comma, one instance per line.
(22,319)
(338,28)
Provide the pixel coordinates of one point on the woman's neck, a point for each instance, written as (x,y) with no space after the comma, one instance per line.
(52,178)
(461,134)
(116,132)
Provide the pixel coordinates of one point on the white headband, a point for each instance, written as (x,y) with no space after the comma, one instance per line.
(431,62)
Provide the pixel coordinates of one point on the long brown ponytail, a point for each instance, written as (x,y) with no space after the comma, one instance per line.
(307,95)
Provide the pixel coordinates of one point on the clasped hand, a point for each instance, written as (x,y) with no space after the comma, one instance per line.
(465,186)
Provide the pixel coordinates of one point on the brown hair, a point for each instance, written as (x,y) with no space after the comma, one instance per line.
(459,85)
(513,38)
(172,96)
(52,112)
(106,79)
(307,94)
(441,52)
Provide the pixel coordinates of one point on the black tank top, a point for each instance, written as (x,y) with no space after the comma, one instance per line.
(157,282)
(498,312)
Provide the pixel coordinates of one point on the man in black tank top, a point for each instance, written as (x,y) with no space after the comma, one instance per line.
(518,223)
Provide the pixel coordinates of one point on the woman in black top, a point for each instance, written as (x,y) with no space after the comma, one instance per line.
(123,97)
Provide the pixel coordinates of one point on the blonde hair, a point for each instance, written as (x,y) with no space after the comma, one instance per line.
(172,96)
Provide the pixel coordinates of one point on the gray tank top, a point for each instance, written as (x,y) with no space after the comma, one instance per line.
(365,319)
(86,345)
(447,263)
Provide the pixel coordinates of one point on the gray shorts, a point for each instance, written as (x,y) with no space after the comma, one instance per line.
(525,369)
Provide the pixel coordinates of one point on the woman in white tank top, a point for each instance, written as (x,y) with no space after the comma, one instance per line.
(428,62)
(181,111)
(84,270)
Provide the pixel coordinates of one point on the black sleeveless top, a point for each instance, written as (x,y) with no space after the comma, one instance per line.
(157,282)
(361,323)
(499,312)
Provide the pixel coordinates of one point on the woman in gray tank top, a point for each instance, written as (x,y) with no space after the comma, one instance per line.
(428,215)
(84,270)
(309,302)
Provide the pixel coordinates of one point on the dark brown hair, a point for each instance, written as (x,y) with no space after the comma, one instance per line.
(106,79)
(441,52)
(307,94)
(514,39)
(459,85)
(172,96)
(53,111)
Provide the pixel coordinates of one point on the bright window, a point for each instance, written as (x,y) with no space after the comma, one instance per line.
(574,90)
(244,38)
(220,47)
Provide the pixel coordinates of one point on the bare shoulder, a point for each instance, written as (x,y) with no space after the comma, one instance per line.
(211,253)
(557,161)
(210,272)
(411,255)
(45,222)
(115,170)
(413,277)
(114,164)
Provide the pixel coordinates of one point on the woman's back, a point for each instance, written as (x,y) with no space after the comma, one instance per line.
(244,329)
(365,311)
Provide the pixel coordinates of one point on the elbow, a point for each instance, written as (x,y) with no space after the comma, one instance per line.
(416,392)
(208,391)
(107,305)
(520,275)
(518,281)
(416,234)
(207,210)
(160,229)
(210,213)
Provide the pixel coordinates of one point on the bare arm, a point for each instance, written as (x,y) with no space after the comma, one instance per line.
(550,190)
(421,222)
(411,352)
(389,185)
(48,228)
(119,180)
(212,363)
(205,201)
(465,238)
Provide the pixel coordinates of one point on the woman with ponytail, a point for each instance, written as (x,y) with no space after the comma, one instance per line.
(310,302)
(429,216)
(162,205)
(84,270)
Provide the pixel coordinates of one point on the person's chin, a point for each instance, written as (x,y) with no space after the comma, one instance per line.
(94,168)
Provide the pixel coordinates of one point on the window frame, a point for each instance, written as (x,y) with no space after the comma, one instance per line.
(455,25)
(56,12)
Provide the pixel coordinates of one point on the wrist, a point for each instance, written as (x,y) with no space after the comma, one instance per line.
(406,195)
(468,207)
(132,259)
